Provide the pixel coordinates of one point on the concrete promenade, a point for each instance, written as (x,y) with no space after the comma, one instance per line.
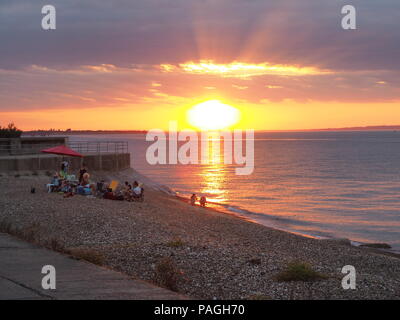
(21,278)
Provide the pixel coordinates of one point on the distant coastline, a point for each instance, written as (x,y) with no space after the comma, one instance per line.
(94,132)
(79,132)
(365,128)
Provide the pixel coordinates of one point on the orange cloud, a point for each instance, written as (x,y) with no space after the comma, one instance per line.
(242,69)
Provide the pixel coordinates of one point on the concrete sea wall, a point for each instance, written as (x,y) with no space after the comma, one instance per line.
(31,163)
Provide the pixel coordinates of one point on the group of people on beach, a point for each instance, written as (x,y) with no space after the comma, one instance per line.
(129,192)
(202,200)
(68,185)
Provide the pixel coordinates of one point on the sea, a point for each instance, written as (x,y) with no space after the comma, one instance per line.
(325,184)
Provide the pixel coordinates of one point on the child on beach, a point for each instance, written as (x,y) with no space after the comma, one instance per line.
(193,199)
(203,201)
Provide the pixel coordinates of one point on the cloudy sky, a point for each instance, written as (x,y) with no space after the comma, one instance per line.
(136,64)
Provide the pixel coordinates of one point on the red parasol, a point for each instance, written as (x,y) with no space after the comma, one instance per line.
(62,150)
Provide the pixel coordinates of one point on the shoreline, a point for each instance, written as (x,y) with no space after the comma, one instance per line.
(215,255)
(356,244)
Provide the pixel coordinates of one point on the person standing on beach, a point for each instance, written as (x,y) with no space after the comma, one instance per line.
(193,199)
(82,172)
(64,166)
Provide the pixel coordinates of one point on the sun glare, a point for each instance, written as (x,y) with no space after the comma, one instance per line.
(241,69)
(213,115)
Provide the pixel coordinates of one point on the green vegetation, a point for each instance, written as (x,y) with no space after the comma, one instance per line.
(87,254)
(254,261)
(258,296)
(376,245)
(299,271)
(175,243)
(32,233)
(29,233)
(11,131)
(167,275)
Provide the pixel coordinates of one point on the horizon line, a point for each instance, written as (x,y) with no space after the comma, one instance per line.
(354,128)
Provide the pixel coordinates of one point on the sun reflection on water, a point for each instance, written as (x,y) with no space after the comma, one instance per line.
(213,175)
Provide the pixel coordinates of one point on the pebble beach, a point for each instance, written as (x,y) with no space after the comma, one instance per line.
(215,255)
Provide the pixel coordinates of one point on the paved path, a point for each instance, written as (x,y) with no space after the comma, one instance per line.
(21,278)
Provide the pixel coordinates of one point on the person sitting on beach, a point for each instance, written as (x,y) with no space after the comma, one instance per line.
(68,189)
(101,188)
(137,192)
(203,201)
(54,184)
(85,190)
(65,187)
(193,199)
(110,195)
(126,191)
(62,175)
(136,189)
(85,179)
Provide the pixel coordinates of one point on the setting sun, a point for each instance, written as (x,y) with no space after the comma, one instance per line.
(213,115)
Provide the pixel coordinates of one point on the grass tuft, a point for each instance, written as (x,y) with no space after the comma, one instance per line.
(167,275)
(90,255)
(376,245)
(175,243)
(56,245)
(258,296)
(6,227)
(299,271)
(254,261)
(31,233)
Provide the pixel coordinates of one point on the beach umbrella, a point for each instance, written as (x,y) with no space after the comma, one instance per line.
(63,151)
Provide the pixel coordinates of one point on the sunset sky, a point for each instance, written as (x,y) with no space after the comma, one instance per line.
(126,64)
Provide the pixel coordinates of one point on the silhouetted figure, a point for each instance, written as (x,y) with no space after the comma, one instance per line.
(203,201)
(82,172)
(193,199)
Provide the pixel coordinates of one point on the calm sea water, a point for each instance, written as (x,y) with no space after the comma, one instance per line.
(325,184)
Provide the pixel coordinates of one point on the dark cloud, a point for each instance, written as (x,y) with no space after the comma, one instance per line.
(123,32)
(146,33)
